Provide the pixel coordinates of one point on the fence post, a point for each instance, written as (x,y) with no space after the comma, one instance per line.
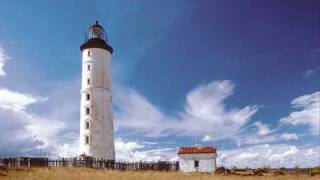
(28,162)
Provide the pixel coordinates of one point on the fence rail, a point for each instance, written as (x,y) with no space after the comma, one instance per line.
(90,163)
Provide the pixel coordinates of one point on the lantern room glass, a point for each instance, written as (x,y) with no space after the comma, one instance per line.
(96,32)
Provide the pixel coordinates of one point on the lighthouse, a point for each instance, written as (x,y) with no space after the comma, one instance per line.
(96,121)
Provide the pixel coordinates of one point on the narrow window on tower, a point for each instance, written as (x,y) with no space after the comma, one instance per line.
(88,97)
(87,125)
(88,67)
(87,111)
(89,53)
(87,140)
(88,81)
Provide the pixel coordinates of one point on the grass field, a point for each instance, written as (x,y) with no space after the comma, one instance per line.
(92,174)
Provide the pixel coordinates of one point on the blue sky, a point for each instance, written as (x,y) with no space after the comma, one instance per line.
(235,74)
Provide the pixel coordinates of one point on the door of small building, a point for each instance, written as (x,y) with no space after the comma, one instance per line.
(196,164)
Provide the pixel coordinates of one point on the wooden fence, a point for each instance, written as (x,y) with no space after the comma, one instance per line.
(30,162)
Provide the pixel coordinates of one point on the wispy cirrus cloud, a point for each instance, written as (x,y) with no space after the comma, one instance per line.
(204,113)
(307,112)
(3,59)
(135,112)
(289,136)
(254,138)
(311,72)
(31,124)
(261,133)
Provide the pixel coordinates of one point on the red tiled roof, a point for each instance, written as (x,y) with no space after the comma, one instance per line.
(196,150)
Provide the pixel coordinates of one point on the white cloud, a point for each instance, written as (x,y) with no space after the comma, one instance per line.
(129,151)
(311,72)
(263,129)
(277,155)
(44,130)
(137,113)
(26,133)
(56,122)
(17,101)
(67,149)
(261,134)
(28,126)
(22,132)
(308,112)
(51,126)
(253,138)
(135,151)
(289,136)
(204,113)
(3,58)
(126,150)
(206,138)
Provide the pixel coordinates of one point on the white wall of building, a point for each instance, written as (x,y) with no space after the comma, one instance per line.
(207,162)
(100,131)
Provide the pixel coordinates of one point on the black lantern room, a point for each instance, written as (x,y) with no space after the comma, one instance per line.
(96,37)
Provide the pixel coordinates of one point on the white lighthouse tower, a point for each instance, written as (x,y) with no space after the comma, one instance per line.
(96,123)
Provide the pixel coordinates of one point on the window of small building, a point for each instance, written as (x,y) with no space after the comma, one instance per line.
(89,53)
(88,81)
(87,125)
(196,163)
(88,97)
(88,67)
(87,140)
(87,111)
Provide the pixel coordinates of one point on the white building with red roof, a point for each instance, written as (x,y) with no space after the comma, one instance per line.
(197,159)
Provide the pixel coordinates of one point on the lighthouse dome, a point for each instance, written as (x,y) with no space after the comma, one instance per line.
(96,37)
(96,31)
